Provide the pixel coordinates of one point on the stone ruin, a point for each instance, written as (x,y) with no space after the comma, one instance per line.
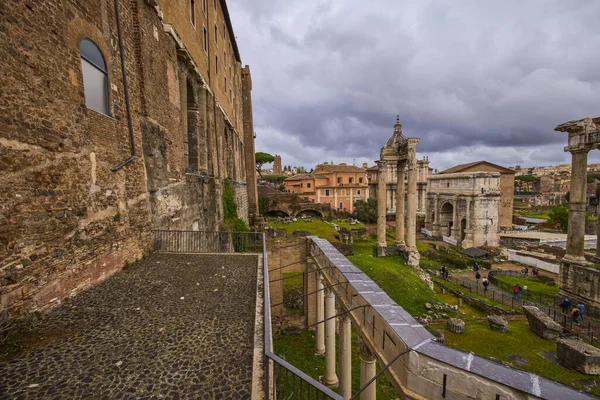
(498,323)
(456,325)
(541,324)
(578,355)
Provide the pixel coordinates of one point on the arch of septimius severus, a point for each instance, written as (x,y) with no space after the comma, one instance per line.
(399,152)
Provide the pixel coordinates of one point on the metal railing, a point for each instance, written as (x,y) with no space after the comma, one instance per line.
(282,379)
(207,242)
(587,330)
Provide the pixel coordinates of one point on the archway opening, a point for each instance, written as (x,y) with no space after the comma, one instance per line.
(446,218)
(276,213)
(309,213)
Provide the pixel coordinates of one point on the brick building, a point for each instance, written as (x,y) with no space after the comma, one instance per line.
(117,117)
(337,184)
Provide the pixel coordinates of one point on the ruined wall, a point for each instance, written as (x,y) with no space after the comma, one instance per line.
(66,220)
(579,283)
(241,199)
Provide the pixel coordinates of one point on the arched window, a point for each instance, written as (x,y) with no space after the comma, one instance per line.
(95,77)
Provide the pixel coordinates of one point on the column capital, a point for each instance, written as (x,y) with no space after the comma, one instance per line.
(329,293)
(365,351)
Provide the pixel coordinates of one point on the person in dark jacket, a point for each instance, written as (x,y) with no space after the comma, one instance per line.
(565,305)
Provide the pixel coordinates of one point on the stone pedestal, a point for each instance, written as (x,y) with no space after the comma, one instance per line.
(541,324)
(578,355)
(456,325)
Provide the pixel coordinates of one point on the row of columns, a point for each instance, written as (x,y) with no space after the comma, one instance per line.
(325,344)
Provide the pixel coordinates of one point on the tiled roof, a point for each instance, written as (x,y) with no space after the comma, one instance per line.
(305,176)
(340,168)
(462,167)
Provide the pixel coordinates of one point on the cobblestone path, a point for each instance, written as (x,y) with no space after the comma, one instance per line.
(172,326)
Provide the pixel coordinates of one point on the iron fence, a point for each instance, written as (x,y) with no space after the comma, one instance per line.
(207,242)
(529,295)
(587,329)
(283,380)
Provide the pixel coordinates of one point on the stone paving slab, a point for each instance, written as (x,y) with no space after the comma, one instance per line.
(172,326)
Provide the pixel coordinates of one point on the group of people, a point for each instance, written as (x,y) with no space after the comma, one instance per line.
(576,311)
(534,271)
(484,281)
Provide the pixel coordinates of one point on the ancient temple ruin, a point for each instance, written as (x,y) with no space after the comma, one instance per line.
(399,152)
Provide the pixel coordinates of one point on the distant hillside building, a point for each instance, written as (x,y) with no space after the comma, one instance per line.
(507,185)
(337,184)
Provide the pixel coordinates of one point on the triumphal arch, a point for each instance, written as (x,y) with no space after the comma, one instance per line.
(399,152)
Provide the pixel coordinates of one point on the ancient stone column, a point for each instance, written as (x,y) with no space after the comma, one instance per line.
(381,205)
(468,240)
(412,205)
(454,232)
(400,228)
(577,207)
(428,221)
(436,217)
(330,378)
(320,331)
(367,372)
(345,388)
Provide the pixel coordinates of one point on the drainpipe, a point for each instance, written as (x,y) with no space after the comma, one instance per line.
(126,90)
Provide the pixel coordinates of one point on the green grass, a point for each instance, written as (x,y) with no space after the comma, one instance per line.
(533,286)
(345,224)
(465,311)
(397,279)
(298,351)
(481,340)
(533,214)
(474,295)
(317,228)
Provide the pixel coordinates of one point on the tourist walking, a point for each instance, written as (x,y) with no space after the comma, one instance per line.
(485,283)
(477,277)
(575,314)
(581,309)
(516,291)
(565,305)
(444,272)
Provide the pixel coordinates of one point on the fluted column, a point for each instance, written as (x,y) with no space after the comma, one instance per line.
(400,228)
(455,229)
(468,240)
(367,372)
(330,378)
(412,205)
(381,205)
(320,331)
(577,207)
(345,388)
(436,216)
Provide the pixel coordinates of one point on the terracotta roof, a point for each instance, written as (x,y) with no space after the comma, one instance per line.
(305,176)
(462,167)
(340,168)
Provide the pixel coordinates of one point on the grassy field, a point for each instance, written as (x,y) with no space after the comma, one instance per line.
(317,227)
(298,351)
(473,294)
(345,224)
(542,214)
(481,340)
(533,286)
(398,280)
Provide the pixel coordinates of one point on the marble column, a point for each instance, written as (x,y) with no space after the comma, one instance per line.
(411,226)
(367,372)
(381,205)
(468,240)
(455,230)
(330,378)
(400,228)
(345,388)
(320,329)
(428,221)
(577,207)
(436,217)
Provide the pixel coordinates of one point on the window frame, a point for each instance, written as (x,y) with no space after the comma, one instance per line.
(102,69)
(193,13)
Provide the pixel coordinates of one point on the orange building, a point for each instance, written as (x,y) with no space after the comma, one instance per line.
(337,184)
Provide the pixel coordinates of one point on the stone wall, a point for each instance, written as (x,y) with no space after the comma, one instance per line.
(580,283)
(241,199)
(67,221)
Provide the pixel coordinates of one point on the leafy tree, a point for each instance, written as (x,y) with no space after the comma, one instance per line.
(262,159)
(559,216)
(366,211)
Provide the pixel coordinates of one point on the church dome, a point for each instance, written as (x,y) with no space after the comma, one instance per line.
(397,137)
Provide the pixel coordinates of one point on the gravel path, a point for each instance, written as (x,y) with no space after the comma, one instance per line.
(172,326)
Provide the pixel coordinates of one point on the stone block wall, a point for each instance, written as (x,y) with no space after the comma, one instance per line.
(241,199)
(580,283)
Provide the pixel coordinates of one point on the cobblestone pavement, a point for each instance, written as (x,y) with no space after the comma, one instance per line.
(172,326)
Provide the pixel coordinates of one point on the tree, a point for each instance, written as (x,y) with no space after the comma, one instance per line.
(262,159)
(559,216)
(366,211)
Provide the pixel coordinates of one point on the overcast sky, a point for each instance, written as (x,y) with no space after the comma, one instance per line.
(474,79)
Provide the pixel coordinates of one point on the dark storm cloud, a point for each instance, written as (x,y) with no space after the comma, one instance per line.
(472,79)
